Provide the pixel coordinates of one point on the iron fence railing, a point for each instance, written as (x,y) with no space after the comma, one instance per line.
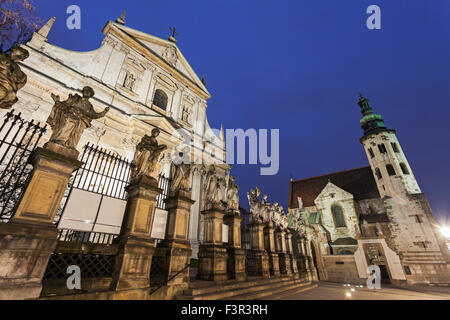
(18,139)
(164,184)
(68,235)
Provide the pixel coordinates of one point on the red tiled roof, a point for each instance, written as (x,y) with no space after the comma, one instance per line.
(359,182)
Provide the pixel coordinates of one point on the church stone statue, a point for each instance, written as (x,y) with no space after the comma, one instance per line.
(12,78)
(232,194)
(256,207)
(213,188)
(147,155)
(68,119)
(181,175)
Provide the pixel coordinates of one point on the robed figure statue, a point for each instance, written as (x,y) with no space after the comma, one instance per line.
(68,119)
(12,78)
(147,155)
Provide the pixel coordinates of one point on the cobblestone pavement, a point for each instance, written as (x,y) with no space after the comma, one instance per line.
(333,291)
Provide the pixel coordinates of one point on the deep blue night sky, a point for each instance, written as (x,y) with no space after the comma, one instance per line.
(299,66)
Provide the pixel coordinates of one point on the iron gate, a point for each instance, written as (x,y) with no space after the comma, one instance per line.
(18,139)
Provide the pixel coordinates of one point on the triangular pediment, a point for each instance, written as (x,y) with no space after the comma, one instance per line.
(332,191)
(163,49)
(162,123)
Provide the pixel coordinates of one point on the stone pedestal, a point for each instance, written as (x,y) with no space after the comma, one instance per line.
(176,245)
(236,255)
(212,264)
(132,268)
(28,240)
(269,243)
(290,252)
(285,263)
(258,259)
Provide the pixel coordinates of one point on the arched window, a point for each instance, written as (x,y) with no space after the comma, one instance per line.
(371,153)
(395,147)
(378,173)
(338,216)
(404,168)
(160,99)
(382,148)
(390,170)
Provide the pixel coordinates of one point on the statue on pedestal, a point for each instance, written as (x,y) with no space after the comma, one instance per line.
(68,119)
(181,174)
(213,188)
(256,207)
(12,78)
(232,193)
(147,155)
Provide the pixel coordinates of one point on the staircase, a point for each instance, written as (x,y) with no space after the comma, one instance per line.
(275,288)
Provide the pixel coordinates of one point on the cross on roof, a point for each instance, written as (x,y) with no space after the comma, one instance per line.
(174,32)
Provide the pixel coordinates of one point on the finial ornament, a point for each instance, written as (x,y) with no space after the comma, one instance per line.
(364,103)
(121,19)
(174,33)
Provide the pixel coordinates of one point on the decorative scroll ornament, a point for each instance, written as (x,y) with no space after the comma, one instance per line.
(12,78)
(68,119)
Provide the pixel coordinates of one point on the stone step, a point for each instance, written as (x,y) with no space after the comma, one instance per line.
(271,291)
(244,288)
(194,291)
(292,292)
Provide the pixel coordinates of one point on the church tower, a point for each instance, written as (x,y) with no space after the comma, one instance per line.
(391,169)
(413,229)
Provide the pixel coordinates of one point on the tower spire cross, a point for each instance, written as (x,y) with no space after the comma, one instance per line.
(174,31)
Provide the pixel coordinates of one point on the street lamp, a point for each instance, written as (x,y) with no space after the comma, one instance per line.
(445,232)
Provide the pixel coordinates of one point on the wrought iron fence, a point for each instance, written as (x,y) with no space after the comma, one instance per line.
(164,184)
(18,139)
(91,265)
(103,172)
(86,237)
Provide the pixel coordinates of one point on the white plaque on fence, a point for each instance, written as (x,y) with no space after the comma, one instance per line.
(225,233)
(159,224)
(80,210)
(110,215)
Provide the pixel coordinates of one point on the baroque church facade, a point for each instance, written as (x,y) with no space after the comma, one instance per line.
(375,215)
(147,83)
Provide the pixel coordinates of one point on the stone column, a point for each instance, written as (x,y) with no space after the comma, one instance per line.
(285,264)
(212,264)
(258,259)
(290,253)
(176,245)
(269,242)
(29,239)
(300,258)
(133,263)
(310,270)
(236,255)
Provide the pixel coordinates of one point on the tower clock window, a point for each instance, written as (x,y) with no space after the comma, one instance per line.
(404,168)
(338,216)
(390,169)
(160,99)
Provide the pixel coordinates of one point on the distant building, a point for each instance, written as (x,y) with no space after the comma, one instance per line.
(372,215)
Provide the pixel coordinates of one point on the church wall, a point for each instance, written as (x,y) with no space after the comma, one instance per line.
(342,269)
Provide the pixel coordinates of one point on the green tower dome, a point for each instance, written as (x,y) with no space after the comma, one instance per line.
(371,122)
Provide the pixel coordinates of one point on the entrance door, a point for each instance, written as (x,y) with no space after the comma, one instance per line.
(384,274)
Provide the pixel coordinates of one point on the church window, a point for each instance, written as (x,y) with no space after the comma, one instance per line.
(390,170)
(407,270)
(404,168)
(371,153)
(378,173)
(338,216)
(418,218)
(160,99)
(382,148)
(395,147)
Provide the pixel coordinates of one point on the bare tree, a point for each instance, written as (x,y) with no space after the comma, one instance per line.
(18,21)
